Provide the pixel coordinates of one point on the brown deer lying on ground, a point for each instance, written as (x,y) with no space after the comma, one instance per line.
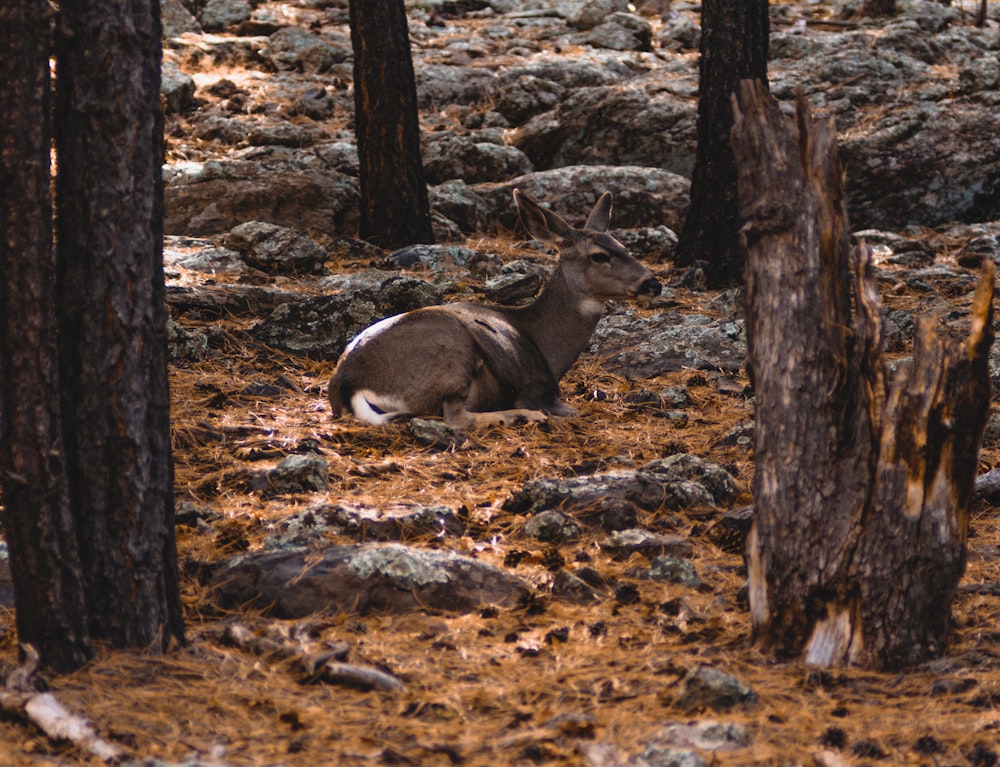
(476,364)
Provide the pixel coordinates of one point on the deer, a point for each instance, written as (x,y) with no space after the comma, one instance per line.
(476,364)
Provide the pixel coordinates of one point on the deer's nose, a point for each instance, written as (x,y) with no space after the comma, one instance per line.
(650,288)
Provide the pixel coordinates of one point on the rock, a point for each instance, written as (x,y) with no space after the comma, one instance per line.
(663,756)
(650,243)
(570,588)
(623,543)
(213,197)
(704,736)
(305,473)
(177,20)
(436,258)
(552,526)
(729,532)
(191,344)
(177,89)
(442,85)
(293,48)
(520,99)
(436,435)
(219,15)
(321,327)
(706,687)
(674,570)
(682,466)
(590,13)
(643,196)
(400,522)
(449,156)
(627,125)
(607,500)
(360,579)
(622,32)
(668,342)
(276,249)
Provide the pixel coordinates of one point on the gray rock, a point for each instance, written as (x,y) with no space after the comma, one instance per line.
(665,756)
(705,735)
(436,435)
(199,255)
(643,196)
(673,570)
(679,33)
(399,522)
(360,579)
(441,85)
(729,532)
(623,543)
(293,48)
(321,327)
(552,526)
(177,20)
(520,99)
(668,342)
(628,124)
(705,687)
(651,243)
(306,473)
(589,13)
(570,588)
(177,89)
(622,32)
(213,197)
(682,466)
(219,15)
(285,134)
(191,344)
(436,258)
(276,249)
(607,500)
(449,156)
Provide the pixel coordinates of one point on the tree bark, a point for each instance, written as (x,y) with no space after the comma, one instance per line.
(394,206)
(862,484)
(734,44)
(112,317)
(37,522)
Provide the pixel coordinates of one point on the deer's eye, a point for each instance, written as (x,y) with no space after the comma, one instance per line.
(600,257)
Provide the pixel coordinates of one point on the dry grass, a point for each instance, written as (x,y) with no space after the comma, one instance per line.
(547,682)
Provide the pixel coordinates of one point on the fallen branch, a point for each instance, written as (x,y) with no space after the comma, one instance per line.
(324,664)
(44,710)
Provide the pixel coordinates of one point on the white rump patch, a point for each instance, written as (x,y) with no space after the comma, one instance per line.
(376,408)
(371,331)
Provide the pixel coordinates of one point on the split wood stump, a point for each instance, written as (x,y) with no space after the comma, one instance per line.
(863,479)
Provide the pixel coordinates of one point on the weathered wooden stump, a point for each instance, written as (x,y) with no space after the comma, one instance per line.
(862,480)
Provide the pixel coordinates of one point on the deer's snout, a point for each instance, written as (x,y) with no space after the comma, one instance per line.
(650,287)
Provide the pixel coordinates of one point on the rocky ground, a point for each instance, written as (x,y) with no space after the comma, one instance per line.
(568,592)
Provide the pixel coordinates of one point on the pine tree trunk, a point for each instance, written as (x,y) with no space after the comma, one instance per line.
(394,206)
(862,484)
(734,44)
(112,317)
(37,523)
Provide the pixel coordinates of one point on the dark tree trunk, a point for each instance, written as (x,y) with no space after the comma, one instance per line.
(38,525)
(862,484)
(112,317)
(734,43)
(394,207)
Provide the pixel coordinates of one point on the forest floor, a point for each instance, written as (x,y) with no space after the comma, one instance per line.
(544,683)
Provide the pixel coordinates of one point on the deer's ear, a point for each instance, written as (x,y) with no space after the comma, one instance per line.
(541,223)
(600,217)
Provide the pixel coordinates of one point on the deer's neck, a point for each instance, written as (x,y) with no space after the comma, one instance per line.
(560,322)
